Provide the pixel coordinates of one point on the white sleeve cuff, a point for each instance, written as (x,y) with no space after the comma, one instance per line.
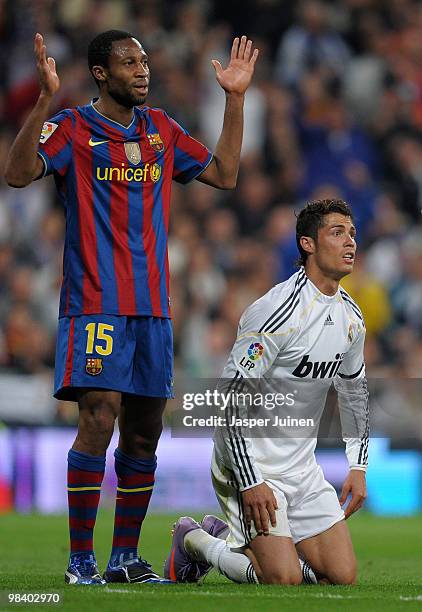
(255,484)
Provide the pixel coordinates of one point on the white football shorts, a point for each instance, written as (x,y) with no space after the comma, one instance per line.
(307,505)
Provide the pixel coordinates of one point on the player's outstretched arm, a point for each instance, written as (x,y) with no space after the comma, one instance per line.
(23,164)
(235,79)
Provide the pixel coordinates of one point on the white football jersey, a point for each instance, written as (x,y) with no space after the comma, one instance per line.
(297,341)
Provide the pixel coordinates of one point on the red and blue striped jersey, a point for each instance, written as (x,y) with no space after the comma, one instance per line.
(115,184)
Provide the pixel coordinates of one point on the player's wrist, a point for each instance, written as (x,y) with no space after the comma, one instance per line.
(248,488)
(45,98)
(359,468)
(234,96)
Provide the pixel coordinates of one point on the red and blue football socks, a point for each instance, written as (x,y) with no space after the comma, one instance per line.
(84,477)
(135,482)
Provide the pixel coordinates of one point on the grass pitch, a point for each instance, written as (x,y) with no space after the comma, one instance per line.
(34,555)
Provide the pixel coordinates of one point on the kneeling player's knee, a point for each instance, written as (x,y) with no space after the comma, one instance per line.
(344,575)
(286,576)
(348,577)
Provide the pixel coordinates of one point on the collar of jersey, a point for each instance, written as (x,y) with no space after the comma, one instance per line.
(111,121)
(322,296)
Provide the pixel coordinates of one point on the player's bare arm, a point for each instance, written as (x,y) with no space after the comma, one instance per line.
(23,164)
(260,505)
(355,486)
(235,79)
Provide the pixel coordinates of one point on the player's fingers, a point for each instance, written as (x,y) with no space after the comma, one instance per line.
(38,40)
(42,56)
(248,50)
(254,57)
(235,47)
(242,46)
(52,64)
(264,520)
(351,507)
(271,511)
(217,67)
(248,515)
(344,493)
(257,519)
(40,52)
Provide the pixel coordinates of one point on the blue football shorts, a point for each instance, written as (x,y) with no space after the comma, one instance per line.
(127,354)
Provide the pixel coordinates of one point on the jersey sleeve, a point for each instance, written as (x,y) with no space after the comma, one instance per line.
(353,399)
(191,157)
(254,351)
(253,354)
(55,146)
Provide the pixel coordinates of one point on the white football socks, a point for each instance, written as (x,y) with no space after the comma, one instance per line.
(308,576)
(205,548)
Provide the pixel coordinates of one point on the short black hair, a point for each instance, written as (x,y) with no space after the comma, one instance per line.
(99,49)
(311,219)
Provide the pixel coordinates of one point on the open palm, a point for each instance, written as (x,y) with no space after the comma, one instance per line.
(49,81)
(238,74)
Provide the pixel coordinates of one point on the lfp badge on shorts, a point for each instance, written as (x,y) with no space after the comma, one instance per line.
(94,366)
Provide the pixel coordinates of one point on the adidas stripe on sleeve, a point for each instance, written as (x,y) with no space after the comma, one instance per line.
(353,398)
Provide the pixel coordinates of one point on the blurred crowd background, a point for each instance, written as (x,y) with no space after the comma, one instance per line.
(335,110)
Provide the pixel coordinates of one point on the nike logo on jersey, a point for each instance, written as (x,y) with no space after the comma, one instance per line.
(94,143)
(318,369)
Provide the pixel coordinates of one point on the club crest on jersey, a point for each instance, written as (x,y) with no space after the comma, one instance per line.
(133,152)
(155,142)
(94,366)
(350,334)
(47,130)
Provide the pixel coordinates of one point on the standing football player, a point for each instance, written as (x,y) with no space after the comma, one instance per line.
(282,516)
(113,164)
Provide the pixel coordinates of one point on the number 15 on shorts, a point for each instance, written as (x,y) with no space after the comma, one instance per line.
(98,339)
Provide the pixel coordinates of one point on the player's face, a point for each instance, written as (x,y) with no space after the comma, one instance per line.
(335,248)
(128,73)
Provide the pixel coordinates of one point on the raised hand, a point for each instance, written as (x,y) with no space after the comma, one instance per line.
(237,76)
(49,81)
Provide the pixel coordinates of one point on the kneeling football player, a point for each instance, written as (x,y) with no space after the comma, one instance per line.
(282,517)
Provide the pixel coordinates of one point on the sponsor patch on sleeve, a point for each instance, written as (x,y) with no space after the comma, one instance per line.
(47,129)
